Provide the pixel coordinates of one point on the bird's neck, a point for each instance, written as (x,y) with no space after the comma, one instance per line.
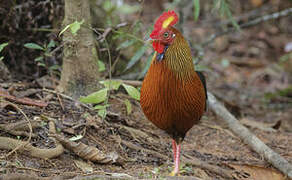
(178,58)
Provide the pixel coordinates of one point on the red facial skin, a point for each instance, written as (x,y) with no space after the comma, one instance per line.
(163,39)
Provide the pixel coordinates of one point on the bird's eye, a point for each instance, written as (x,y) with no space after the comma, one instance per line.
(165,34)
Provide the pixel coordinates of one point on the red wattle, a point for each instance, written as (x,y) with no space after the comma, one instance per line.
(158,47)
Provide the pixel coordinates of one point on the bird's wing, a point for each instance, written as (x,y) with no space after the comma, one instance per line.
(203,80)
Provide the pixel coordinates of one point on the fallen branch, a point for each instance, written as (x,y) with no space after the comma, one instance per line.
(10,143)
(253,22)
(26,101)
(67,97)
(107,176)
(23,146)
(255,143)
(30,130)
(20,128)
(23,176)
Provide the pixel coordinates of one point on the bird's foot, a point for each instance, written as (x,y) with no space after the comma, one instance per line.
(174,173)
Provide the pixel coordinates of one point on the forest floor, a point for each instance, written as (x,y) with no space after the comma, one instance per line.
(243,71)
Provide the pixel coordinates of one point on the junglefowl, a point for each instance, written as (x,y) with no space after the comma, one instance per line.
(173,94)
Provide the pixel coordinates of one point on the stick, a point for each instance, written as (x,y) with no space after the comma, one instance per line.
(30,130)
(255,143)
(264,18)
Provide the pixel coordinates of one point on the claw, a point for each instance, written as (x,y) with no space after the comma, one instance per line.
(173,173)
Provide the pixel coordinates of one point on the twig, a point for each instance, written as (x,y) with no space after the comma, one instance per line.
(109,176)
(26,101)
(23,176)
(264,18)
(255,143)
(129,82)
(247,15)
(227,174)
(9,143)
(67,97)
(30,130)
(120,32)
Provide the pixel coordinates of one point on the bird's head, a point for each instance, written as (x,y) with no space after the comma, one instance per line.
(163,34)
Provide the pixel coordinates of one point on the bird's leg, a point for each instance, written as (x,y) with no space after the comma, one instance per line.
(176,158)
(174,150)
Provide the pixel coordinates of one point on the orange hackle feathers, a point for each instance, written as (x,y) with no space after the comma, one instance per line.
(173,94)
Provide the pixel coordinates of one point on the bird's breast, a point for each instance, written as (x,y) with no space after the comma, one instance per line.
(171,102)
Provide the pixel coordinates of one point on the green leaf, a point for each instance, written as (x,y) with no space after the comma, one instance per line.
(51,44)
(200,67)
(107,5)
(101,66)
(99,107)
(148,63)
(39,59)
(2,46)
(74,27)
(128,106)
(224,10)
(196,9)
(136,57)
(102,113)
(41,64)
(111,84)
(137,26)
(34,46)
(126,44)
(76,138)
(132,91)
(48,54)
(67,27)
(54,67)
(96,97)
(127,9)
(1,58)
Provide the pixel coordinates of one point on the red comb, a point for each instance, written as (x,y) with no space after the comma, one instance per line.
(158,26)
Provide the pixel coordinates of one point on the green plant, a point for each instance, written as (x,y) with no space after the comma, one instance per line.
(224,10)
(46,52)
(74,27)
(101,96)
(2,46)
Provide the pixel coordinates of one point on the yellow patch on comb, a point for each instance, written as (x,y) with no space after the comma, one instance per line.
(167,21)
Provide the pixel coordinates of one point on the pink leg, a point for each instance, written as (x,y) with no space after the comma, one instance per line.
(174,150)
(177,159)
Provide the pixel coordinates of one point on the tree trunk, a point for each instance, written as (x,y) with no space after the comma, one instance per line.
(80,68)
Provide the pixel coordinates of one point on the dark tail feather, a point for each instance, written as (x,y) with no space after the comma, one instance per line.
(203,80)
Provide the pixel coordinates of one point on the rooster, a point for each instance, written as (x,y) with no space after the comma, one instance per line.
(173,94)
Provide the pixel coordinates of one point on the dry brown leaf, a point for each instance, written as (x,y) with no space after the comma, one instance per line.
(84,166)
(256,3)
(257,173)
(88,152)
